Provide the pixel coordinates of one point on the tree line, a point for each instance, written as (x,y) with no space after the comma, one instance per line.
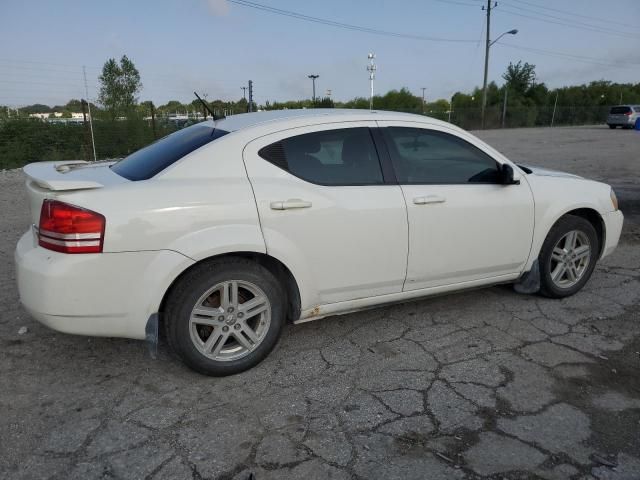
(125,123)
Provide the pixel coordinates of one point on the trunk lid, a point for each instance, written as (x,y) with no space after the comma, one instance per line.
(52,179)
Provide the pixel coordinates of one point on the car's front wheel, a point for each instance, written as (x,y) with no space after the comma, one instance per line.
(224,316)
(568,257)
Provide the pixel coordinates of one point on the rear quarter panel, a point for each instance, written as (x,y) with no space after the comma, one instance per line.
(201,206)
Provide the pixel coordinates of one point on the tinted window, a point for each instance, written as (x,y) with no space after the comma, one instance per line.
(428,156)
(152,159)
(619,110)
(345,156)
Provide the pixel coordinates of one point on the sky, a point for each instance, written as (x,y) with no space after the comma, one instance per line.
(216,46)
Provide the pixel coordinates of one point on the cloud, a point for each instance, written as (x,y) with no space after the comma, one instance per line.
(218,8)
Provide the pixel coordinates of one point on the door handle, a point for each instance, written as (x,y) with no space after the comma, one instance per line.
(429,199)
(290,204)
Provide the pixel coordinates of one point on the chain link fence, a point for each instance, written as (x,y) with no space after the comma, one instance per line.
(25,140)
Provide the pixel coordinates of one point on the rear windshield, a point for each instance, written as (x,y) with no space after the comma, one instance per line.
(619,110)
(152,159)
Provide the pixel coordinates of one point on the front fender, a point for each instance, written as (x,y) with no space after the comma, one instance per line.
(556,197)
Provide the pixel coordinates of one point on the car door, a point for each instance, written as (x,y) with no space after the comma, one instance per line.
(463,224)
(327,212)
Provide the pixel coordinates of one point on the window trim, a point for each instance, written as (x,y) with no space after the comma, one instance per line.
(391,152)
(376,147)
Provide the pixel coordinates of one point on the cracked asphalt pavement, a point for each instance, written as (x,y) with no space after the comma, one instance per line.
(482,384)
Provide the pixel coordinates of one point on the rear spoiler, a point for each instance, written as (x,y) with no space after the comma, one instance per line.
(54,175)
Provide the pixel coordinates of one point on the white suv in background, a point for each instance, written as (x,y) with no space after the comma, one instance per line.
(225,230)
(624,116)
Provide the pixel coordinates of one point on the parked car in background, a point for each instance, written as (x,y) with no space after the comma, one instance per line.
(624,116)
(226,230)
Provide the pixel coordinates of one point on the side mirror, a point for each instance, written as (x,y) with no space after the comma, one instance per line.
(506,175)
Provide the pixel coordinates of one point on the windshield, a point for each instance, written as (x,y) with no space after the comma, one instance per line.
(152,159)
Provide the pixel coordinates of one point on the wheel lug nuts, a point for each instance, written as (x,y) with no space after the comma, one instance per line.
(221,318)
(240,314)
(230,309)
(225,328)
(237,326)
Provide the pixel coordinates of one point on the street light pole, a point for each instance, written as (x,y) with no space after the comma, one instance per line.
(423,89)
(313,79)
(488,44)
(486,62)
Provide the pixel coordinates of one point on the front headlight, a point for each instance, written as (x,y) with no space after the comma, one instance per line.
(614,200)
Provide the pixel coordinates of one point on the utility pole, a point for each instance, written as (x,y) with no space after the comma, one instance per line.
(250,95)
(504,105)
(313,80)
(328,93)
(371,68)
(244,92)
(488,44)
(423,89)
(87,155)
(486,61)
(555,104)
(86,91)
(204,107)
(153,120)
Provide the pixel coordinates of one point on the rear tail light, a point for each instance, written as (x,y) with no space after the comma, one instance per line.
(69,229)
(627,113)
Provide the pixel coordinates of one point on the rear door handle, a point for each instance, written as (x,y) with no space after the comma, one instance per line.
(429,199)
(290,204)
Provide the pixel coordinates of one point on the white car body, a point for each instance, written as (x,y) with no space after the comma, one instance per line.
(356,247)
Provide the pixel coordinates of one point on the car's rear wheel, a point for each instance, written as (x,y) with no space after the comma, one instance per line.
(568,257)
(612,127)
(224,316)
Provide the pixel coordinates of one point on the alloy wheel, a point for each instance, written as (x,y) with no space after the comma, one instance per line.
(569,259)
(230,320)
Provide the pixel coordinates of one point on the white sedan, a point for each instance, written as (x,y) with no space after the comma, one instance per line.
(224,231)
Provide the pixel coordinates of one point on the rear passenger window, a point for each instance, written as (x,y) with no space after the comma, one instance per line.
(344,156)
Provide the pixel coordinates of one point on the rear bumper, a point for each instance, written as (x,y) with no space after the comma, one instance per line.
(629,122)
(104,294)
(613,227)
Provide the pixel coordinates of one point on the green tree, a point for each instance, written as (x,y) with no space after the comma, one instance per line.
(520,77)
(119,86)
(325,102)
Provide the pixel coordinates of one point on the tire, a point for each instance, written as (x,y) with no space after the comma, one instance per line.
(577,260)
(612,127)
(224,324)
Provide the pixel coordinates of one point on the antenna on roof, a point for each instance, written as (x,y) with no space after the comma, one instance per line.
(204,104)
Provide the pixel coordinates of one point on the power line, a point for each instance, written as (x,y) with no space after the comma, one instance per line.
(570,25)
(569,56)
(573,14)
(347,26)
(576,22)
(455,2)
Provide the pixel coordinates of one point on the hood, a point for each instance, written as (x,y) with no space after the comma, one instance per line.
(545,172)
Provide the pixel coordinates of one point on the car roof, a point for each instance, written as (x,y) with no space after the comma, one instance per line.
(315,115)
